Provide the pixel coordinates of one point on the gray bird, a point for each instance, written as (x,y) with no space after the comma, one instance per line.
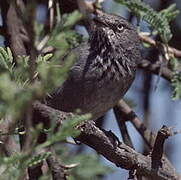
(104,69)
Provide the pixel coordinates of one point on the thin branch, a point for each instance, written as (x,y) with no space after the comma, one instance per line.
(51,13)
(121,120)
(155,69)
(171,50)
(122,127)
(127,112)
(148,136)
(43,43)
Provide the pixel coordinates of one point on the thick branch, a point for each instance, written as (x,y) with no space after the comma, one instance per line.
(122,155)
(13,27)
(108,145)
(44,113)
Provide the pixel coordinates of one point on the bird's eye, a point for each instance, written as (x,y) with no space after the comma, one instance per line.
(120,27)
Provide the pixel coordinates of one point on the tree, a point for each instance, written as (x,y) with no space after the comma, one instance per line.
(33,133)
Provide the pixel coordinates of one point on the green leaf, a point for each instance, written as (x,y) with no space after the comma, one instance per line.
(10,55)
(173,64)
(71,19)
(89,167)
(158,21)
(170,13)
(176,85)
(67,129)
(38,159)
(6,59)
(47,57)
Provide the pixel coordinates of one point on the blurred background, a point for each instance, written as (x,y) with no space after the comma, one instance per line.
(151,99)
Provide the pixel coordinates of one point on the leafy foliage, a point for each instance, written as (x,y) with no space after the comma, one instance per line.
(158,21)
(174,65)
(88,168)
(15,86)
(67,129)
(6,59)
(38,159)
(9,166)
(170,13)
(17,90)
(176,84)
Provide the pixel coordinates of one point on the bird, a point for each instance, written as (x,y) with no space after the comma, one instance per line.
(104,68)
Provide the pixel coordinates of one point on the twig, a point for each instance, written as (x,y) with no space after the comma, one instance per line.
(148,136)
(122,127)
(127,112)
(155,68)
(171,50)
(42,43)
(51,13)
(157,151)
(70,166)
(121,120)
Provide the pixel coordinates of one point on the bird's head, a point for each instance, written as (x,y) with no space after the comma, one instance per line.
(114,30)
(113,37)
